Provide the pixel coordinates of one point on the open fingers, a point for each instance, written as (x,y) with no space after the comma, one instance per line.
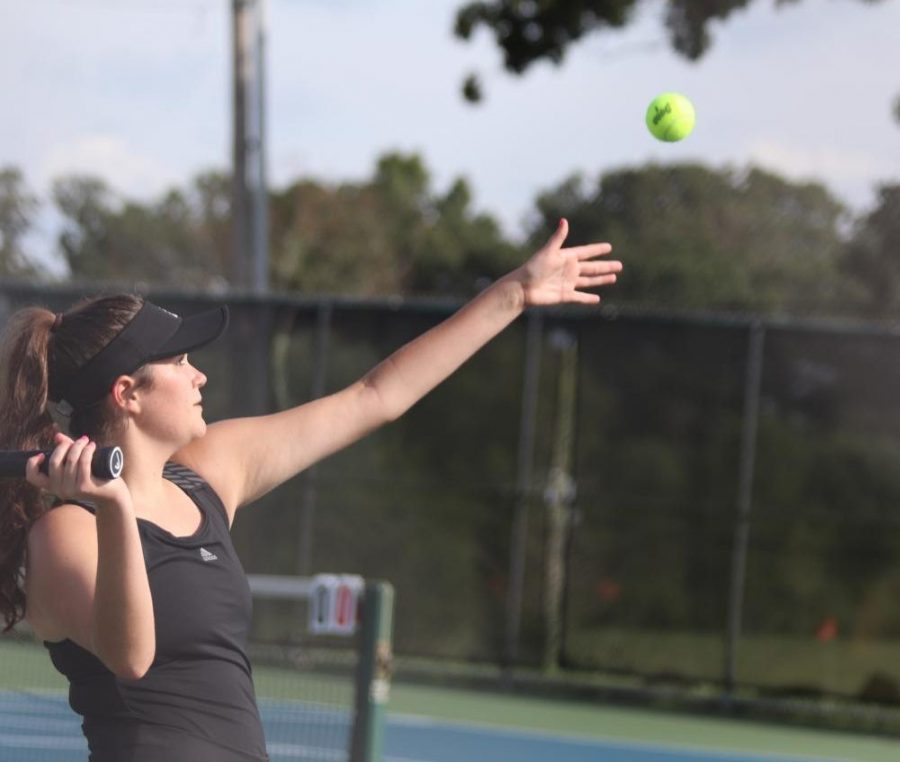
(600,267)
(590,250)
(595,280)
(580,297)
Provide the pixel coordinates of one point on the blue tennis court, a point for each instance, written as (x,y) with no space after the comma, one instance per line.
(36,726)
(417,740)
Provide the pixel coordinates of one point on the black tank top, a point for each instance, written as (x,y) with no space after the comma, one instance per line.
(196,703)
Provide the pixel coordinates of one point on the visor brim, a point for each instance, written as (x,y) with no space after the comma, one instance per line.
(194,333)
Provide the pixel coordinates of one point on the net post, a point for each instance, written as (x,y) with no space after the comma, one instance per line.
(373,674)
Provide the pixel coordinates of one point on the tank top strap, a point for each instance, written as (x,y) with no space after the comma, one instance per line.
(186,478)
(197,488)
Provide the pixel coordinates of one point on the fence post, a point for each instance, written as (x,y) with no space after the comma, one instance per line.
(524,468)
(250,337)
(321,347)
(752,383)
(559,496)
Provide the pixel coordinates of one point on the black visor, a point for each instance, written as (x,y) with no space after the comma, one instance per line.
(152,334)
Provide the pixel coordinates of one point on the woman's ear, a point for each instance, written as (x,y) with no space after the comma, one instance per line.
(125,394)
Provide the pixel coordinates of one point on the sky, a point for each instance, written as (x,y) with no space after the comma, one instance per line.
(138,92)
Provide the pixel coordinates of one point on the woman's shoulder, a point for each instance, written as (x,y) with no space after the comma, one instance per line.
(210,461)
(61,522)
(199,487)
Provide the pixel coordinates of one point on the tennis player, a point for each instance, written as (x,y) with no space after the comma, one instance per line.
(133,583)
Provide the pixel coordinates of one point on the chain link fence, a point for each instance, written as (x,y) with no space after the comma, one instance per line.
(683,499)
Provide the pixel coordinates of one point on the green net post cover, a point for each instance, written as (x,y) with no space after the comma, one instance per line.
(373,672)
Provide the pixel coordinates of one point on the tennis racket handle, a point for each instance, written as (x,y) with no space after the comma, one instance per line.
(107,462)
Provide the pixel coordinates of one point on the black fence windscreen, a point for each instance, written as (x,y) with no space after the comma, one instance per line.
(640,427)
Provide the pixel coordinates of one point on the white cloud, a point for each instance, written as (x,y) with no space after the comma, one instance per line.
(124,167)
(849,169)
(840,164)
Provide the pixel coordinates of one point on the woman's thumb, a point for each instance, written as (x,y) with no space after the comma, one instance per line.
(559,235)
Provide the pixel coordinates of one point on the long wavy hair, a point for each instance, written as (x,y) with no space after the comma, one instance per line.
(35,361)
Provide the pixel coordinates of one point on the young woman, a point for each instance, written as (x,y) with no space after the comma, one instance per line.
(133,583)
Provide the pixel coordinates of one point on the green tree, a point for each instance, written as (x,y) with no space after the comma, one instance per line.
(391,234)
(208,199)
(693,237)
(331,240)
(17,209)
(182,238)
(86,206)
(873,259)
(530,31)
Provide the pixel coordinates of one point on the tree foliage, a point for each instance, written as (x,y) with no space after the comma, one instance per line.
(873,259)
(388,235)
(694,237)
(181,238)
(18,207)
(529,31)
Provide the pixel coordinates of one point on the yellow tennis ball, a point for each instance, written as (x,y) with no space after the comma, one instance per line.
(670,117)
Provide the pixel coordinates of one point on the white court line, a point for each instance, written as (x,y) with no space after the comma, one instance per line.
(298,751)
(293,751)
(39,723)
(43,742)
(30,704)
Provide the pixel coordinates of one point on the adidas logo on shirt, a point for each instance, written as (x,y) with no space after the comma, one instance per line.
(207,556)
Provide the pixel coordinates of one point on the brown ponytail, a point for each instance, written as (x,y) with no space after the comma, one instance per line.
(39,352)
(24,424)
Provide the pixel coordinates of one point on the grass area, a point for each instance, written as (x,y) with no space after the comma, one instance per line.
(316,674)
(26,666)
(843,666)
(286,685)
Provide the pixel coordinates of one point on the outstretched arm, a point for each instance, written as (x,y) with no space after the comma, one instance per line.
(245,458)
(552,276)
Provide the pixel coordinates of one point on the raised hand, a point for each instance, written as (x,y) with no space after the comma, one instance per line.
(555,275)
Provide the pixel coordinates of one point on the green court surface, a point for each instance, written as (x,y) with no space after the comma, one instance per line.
(669,729)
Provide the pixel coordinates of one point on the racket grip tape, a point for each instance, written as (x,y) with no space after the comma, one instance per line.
(107,462)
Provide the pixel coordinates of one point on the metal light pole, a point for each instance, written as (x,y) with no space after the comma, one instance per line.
(250,268)
(251,329)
